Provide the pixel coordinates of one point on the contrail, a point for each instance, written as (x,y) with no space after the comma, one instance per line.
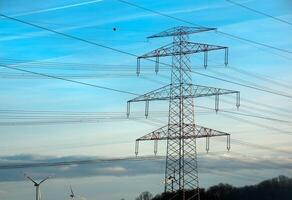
(58,8)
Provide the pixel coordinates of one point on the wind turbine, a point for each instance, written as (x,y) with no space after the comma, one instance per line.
(72,195)
(37,186)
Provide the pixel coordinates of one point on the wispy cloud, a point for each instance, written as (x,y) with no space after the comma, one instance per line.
(127,167)
(57,8)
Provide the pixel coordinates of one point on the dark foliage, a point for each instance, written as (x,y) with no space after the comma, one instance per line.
(279,188)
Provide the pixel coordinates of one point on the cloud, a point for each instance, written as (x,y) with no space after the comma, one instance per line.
(58,8)
(129,167)
(124,18)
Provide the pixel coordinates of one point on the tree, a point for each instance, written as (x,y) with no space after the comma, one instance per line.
(144,196)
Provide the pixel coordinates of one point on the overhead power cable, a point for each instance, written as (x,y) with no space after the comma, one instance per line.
(250,115)
(68,80)
(246,82)
(258,107)
(66,35)
(194,24)
(123,52)
(261,77)
(277,130)
(243,85)
(258,12)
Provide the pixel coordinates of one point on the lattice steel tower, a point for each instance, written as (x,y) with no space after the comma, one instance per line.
(181,171)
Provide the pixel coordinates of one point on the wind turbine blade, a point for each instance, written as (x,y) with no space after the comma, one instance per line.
(44,180)
(30,179)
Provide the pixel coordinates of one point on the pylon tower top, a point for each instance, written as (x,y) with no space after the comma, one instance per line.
(180,30)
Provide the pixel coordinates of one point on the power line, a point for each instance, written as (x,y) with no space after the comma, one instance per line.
(119,91)
(245,81)
(259,12)
(260,77)
(250,115)
(256,124)
(67,35)
(243,85)
(68,80)
(260,109)
(194,24)
(267,106)
(127,53)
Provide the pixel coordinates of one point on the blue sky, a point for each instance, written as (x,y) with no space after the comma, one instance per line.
(94,20)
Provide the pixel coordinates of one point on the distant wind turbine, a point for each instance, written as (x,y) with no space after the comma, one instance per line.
(37,186)
(72,195)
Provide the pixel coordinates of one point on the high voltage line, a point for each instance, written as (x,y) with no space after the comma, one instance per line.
(250,115)
(245,81)
(258,12)
(121,91)
(94,117)
(257,146)
(76,162)
(94,161)
(260,77)
(67,35)
(243,85)
(110,67)
(68,80)
(256,108)
(195,24)
(266,106)
(236,141)
(123,52)
(246,73)
(256,124)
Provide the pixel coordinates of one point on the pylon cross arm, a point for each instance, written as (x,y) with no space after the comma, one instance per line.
(193,131)
(197,132)
(189,48)
(163,93)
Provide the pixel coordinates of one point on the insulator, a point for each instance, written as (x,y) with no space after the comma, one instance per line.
(146,108)
(226,57)
(155,147)
(216,103)
(128,109)
(228,142)
(157,64)
(137,147)
(238,100)
(207,144)
(138,67)
(205,59)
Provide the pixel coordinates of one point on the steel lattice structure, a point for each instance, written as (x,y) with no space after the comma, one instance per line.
(181,131)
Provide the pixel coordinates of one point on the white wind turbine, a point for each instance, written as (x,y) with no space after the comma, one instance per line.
(37,186)
(72,195)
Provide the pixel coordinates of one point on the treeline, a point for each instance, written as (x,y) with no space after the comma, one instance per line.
(279,188)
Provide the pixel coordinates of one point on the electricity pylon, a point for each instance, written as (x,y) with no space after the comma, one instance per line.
(181,131)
